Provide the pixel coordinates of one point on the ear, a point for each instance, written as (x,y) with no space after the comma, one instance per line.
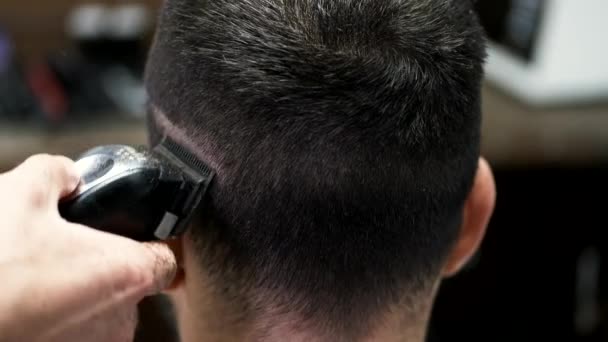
(478,210)
(177,246)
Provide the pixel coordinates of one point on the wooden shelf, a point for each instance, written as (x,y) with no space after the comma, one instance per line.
(17,143)
(515,134)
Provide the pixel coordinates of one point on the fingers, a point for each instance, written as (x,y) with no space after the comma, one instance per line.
(145,268)
(45,179)
(160,264)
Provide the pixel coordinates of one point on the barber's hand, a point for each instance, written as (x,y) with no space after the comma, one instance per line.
(61,281)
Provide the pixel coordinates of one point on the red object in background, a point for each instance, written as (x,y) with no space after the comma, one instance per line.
(48,91)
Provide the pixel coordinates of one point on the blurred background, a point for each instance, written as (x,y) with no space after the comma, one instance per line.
(70,79)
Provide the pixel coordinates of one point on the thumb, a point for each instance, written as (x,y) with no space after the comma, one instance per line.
(160,264)
(46,178)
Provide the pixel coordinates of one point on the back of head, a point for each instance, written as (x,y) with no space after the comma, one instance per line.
(345,136)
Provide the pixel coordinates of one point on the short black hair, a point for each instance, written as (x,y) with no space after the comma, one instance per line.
(345,135)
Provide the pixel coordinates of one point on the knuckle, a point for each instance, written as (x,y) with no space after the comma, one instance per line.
(37,196)
(35,193)
(39,168)
(126,332)
(38,160)
(139,277)
(146,279)
(40,175)
(53,164)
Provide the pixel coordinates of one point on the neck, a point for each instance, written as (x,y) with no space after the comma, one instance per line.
(207,313)
(216,322)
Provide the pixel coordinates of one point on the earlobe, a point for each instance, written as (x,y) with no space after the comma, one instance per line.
(478,210)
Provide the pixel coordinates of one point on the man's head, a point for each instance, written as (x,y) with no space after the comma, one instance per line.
(345,137)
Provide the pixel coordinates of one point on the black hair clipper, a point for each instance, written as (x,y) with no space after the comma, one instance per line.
(138,193)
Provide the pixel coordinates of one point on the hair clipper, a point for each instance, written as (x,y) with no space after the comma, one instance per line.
(138,193)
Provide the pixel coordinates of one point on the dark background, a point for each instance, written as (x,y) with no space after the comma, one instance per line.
(523,287)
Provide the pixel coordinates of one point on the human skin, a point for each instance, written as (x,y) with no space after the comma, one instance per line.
(62,281)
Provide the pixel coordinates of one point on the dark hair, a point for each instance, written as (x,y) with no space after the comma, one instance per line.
(345,136)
